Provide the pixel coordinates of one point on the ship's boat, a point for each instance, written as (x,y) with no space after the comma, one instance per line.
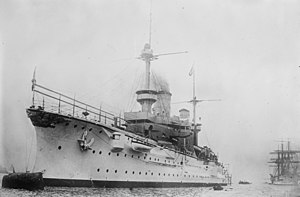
(244,182)
(141,146)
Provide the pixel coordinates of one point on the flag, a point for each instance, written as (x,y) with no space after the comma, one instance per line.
(33,80)
(191,71)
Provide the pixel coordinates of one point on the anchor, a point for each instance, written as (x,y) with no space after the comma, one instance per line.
(83,144)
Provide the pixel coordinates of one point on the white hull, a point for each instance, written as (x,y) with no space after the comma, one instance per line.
(60,158)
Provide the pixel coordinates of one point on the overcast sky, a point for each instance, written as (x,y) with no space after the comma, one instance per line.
(246,53)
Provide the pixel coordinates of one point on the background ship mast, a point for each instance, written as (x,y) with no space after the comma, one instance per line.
(285,163)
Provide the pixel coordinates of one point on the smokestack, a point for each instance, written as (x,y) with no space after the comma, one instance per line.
(162,107)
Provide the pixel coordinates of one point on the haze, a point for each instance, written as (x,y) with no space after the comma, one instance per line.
(245,53)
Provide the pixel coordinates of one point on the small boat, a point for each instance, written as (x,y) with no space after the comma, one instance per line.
(244,182)
(217,187)
(141,146)
(28,181)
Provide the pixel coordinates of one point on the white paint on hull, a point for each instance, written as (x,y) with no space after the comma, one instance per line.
(59,155)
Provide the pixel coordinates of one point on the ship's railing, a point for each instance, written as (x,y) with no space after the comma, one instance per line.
(55,102)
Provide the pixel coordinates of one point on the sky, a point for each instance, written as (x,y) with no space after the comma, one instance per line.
(245,53)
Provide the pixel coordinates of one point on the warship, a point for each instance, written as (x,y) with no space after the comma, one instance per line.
(82,145)
(285,164)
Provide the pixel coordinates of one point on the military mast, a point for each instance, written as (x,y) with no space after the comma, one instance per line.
(195,101)
(146,97)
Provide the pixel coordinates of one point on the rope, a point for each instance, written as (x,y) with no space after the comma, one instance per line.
(133,102)
(133,89)
(207,139)
(160,88)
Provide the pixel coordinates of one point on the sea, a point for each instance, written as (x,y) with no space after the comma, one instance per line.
(235,190)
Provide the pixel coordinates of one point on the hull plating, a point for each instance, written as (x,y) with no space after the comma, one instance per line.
(64,163)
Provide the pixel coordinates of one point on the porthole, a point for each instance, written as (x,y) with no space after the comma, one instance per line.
(158,174)
(164,174)
(82,127)
(109,153)
(151,173)
(126,172)
(116,171)
(59,147)
(94,151)
(107,170)
(144,157)
(100,152)
(132,172)
(100,131)
(140,173)
(75,125)
(149,158)
(145,173)
(67,124)
(131,156)
(125,155)
(117,154)
(90,129)
(98,170)
(154,159)
(138,157)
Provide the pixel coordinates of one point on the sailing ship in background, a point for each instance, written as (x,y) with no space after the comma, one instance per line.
(286,170)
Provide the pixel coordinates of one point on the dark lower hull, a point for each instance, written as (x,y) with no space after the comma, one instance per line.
(122,184)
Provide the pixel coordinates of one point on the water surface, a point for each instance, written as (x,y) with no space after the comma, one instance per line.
(255,190)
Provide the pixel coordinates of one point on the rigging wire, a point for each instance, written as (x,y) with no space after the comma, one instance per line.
(134,88)
(133,101)
(157,84)
(103,84)
(108,85)
(206,138)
